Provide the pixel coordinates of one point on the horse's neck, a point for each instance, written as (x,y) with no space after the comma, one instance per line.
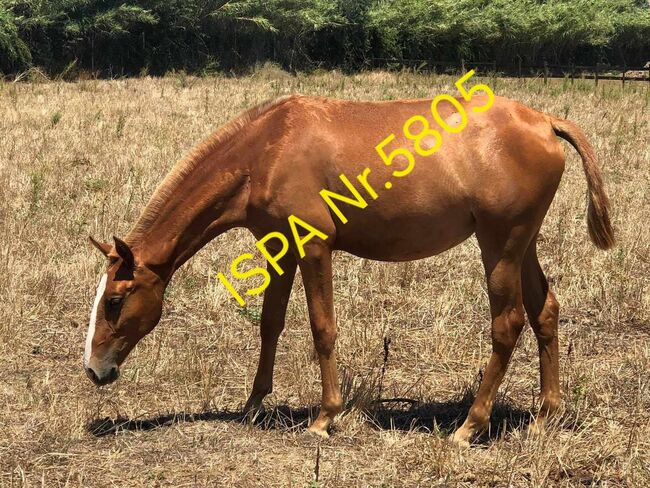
(195,207)
(208,192)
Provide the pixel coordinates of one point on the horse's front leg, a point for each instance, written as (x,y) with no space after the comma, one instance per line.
(274,308)
(316,268)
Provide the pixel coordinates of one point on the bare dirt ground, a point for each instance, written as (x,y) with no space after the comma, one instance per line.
(83,158)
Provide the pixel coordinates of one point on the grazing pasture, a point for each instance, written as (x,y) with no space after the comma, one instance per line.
(83,158)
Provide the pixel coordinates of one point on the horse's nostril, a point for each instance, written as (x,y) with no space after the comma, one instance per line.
(113,374)
(92,375)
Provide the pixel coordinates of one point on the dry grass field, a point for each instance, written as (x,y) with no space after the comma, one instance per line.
(83,158)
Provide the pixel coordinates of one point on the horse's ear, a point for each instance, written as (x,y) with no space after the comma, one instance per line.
(124,251)
(102,246)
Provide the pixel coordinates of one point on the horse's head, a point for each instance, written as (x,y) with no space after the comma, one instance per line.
(127,306)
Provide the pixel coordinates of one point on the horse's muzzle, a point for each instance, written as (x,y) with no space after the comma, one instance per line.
(105,377)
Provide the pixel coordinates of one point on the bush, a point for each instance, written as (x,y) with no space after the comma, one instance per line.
(586,31)
(118,37)
(14,53)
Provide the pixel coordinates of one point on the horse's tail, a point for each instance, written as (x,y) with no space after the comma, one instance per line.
(600,227)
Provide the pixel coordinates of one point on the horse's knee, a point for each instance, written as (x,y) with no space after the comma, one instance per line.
(324,338)
(270,329)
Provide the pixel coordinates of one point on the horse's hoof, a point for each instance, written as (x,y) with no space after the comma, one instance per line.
(251,414)
(460,439)
(460,443)
(535,429)
(317,432)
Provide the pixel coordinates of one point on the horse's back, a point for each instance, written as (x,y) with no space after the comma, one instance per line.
(503,161)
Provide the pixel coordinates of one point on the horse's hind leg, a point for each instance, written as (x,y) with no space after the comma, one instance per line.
(502,251)
(542,309)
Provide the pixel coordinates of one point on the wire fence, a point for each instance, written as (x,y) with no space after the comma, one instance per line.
(519,70)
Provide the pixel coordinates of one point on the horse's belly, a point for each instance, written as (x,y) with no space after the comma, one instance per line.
(404,237)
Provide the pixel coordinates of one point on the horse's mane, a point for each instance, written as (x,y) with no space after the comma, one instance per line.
(184,167)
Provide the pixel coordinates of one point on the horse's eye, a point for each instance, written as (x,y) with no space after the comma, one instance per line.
(113,305)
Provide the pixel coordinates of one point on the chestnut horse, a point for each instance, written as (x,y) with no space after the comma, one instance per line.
(496,179)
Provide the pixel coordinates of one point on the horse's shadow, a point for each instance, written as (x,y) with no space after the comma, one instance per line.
(398,414)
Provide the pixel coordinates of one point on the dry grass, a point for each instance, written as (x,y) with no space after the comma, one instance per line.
(84,157)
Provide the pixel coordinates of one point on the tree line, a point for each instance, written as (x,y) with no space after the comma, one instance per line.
(127,37)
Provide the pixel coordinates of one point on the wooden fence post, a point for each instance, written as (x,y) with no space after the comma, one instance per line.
(596,78)
(573,72)
(623,78)
(545,72)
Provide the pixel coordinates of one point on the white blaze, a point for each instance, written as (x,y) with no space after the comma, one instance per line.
(93,318)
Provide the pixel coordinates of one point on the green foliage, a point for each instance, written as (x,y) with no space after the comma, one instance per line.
(291,17)
(114,37)
(253,315)
(558,30)
(56,118)
(354,39)
(14,53)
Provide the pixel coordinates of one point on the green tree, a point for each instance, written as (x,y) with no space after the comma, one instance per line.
(14,53)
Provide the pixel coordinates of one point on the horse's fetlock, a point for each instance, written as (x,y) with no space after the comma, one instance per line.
(333,406)
(550,404)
